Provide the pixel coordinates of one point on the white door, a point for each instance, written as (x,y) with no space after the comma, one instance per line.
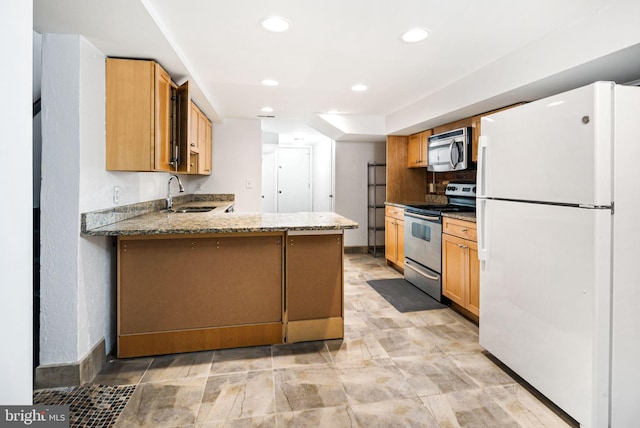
(294,179)
(269,182)
(545,287)
(557,149)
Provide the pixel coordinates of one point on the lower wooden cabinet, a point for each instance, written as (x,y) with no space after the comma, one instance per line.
(394,236)
(314,286)
(183,294)
(460,265)
(179,293)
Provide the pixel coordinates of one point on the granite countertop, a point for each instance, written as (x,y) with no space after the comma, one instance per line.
(461,216)
(161,222)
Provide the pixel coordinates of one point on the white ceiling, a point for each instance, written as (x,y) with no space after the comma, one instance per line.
(332,45)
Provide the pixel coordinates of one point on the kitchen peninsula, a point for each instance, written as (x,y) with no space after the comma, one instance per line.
(209,280)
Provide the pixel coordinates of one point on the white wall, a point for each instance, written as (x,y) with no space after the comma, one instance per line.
(351,185)
(237,156)
(563,59)
(16,261)
(78,282)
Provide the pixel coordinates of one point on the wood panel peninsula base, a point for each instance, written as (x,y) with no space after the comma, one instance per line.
(193,292)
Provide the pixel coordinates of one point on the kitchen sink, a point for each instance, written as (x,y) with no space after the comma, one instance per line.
(191,210)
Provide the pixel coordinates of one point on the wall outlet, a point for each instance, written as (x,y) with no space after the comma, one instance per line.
(432,188)
(116,194)
(199,185)
(249,183)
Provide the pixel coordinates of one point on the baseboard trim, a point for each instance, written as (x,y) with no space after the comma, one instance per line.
(74,374)
(356,250)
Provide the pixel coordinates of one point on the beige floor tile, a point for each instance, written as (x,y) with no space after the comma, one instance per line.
(434,374)
(453,338)
(163,404)
(482,370)
(402,342)
(373,381)
(300,354)
(432,317)
(356,349)
(523,407)
(237,395)
(268,421)
(472,408)
(241,360)
(303,388)
(123,372)
(178,366)
(394,413)
(386,319)
(333,417)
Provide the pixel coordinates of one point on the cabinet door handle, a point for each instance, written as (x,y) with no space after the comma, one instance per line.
(464,230)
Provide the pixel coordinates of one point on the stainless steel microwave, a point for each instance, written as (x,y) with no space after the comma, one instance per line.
(450,151)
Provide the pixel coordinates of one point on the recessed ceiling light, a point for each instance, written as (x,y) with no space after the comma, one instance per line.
(270,82)
(359,87)
(276,24)
(266,109)
(415,35)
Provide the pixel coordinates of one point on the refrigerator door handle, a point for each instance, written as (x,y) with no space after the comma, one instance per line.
(482,220)
(483,143)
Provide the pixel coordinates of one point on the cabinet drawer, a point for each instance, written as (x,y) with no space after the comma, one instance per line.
(395,212)
(459,228)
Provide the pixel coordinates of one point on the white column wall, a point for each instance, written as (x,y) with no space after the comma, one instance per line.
(237,155)
(351,185)
(59,199)
(16,329)
(78,273)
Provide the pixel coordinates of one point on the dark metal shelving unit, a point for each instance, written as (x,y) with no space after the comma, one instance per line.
(376,192)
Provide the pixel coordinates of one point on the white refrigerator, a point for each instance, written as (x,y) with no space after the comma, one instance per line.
(558,213)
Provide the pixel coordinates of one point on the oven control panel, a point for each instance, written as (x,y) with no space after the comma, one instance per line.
(461,189)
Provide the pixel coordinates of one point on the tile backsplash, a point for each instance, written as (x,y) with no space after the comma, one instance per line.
(444,178)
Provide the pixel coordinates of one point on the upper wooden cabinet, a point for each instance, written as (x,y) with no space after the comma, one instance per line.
(138,116)
(194,137)
(417,149)
(206,161)
(152,124)
(202,128)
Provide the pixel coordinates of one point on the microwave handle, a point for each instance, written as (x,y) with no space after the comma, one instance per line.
(453,143)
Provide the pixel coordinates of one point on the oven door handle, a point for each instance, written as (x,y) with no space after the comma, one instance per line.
(423,217)
(434,278)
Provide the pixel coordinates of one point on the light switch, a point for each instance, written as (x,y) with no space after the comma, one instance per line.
(249,183)
(116,194)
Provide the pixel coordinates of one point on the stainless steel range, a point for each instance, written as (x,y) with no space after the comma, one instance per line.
(423,237)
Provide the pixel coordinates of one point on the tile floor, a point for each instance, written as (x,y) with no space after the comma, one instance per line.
(418,369)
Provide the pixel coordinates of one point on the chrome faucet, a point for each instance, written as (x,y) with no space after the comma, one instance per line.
(169,198)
